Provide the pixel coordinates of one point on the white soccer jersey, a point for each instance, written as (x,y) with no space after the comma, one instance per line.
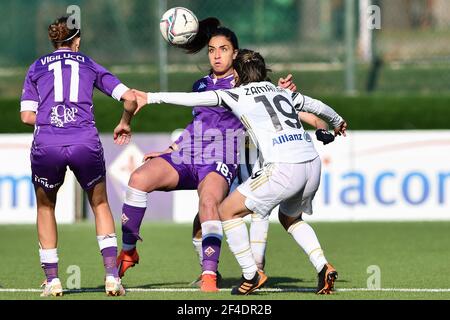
(269,113)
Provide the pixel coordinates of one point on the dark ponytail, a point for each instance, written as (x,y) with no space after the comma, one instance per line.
(208,28)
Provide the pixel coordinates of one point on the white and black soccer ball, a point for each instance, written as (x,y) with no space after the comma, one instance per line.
(178,26)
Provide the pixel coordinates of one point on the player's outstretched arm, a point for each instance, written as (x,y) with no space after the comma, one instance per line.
(141,98)
(319,108)
(122,132)
(189,99)
(322,133)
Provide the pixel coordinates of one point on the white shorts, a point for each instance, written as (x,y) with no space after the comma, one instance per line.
(290,185)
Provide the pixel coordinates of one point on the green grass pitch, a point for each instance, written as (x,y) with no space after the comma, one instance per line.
(410,255)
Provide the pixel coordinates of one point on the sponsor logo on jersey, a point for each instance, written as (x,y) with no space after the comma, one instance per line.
(44,182)
(201,86)
(61,115)
(291,137)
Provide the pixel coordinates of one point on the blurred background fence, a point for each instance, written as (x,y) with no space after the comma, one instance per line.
(326,43)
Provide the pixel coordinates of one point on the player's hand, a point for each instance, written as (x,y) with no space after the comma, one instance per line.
(324,136)
(141,98)
(287,83)
(341,129)
(151,155)
(122,134)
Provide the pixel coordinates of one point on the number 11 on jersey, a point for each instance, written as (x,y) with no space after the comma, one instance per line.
(58,80)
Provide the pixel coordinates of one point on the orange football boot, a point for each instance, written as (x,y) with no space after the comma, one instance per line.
(126,260)
(209,283)
(326,278)
(248,286)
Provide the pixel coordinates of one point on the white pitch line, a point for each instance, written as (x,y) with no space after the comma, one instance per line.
(228,289)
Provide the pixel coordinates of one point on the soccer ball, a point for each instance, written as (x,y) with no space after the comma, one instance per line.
(178,25)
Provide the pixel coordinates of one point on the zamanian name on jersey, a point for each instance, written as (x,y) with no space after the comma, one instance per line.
(255,89)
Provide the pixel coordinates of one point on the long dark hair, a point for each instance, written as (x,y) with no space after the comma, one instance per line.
(60,35)
(250,67)
(208,28)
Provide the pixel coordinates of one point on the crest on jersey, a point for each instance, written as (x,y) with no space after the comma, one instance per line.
(209,251)
(124,218)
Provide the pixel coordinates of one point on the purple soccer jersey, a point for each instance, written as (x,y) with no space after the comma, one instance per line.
(59,88)
(212,125)
(210,142)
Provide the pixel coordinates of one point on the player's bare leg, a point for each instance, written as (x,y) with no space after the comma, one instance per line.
(48,240)
(197,237)
(154,174)
(211,190)
(197,243)
(106,237)
(306,238)
(232,211)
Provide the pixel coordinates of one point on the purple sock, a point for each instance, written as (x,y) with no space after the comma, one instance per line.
(211,252)
(51,270)
(109,261)
(131,222)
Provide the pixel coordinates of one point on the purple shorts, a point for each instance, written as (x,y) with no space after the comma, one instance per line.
(48,165)
(192,174)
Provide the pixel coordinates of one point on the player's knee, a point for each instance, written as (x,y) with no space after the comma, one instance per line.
(225,213)
(98,200)
(135,179)
(208,208)
(138,180)
(286,221)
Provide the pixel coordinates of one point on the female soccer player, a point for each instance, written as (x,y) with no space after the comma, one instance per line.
(57,100)
(259,225)
(291,166)
(193,165)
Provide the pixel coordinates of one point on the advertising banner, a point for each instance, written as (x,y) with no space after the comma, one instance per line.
(373,175)
(17,197)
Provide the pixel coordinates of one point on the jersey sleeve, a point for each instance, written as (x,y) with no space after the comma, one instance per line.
(191,99)
(298,100)
(229,98)
(108,83)
(322,110)
(30,96)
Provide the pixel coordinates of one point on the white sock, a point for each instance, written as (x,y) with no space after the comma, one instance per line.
(305,236)
(48,255)
(138,199)
(258,238)
(106,241)
(212,228)
(238,241)
(197,242)
(135,198)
